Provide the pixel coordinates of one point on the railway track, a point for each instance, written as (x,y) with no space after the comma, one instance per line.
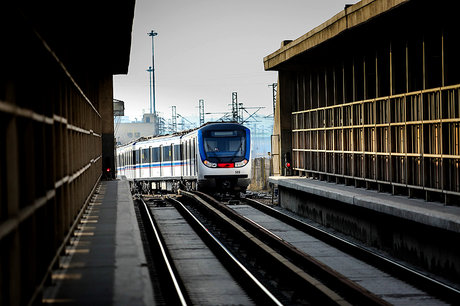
(170,289)
(431,285)
(296,277)
(273,270)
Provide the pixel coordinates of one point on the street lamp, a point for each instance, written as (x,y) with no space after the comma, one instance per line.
(150,70)
(153,34)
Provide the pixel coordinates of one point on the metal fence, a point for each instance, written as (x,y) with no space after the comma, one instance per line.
(407,143)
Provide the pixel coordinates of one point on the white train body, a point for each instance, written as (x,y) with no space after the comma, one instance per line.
(214,157)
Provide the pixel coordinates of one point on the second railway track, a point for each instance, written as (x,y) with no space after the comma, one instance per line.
(270,266)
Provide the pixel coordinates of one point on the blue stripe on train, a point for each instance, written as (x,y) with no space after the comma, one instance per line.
(155,165)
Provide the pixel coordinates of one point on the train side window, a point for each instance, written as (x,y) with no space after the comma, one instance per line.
(183,150)
(166,153)
(145,156)
(194,157)
(155,155)
(177,155)
(136,157)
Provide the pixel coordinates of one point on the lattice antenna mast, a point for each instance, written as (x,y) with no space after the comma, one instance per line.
(174,119)
(161,126)
(235,113)
(201,106)
(274,87)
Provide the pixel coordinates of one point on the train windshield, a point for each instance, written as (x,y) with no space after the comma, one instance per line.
(222,144)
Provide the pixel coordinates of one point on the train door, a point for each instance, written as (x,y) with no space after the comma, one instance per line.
(176,158)
(189,158)
(173,160)
(150,162)
(161,161)
(138,163)
(186,159)
(193,163)
(170,159)
(133,163)
(182,162)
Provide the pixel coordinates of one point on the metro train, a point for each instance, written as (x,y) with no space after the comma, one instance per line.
(212,158)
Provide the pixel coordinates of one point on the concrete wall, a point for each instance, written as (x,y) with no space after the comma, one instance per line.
(261,170)
(56,128)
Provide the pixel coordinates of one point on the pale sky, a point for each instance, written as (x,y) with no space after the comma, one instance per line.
(207,49)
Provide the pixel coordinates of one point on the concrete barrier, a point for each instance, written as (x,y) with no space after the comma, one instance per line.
(260,172)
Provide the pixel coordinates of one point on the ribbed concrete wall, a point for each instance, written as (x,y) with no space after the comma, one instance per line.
(55,114)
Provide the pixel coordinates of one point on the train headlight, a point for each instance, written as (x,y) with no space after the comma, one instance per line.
(241,163)
(210,164)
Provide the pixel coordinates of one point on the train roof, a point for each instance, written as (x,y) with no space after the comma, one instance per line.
(181,133)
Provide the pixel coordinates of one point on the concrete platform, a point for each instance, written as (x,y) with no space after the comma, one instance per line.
(413,231)
(417,210)
(105,263)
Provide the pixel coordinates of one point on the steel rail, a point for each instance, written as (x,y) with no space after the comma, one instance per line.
(256,283)
(416,278)
(349,289)
(318,291)
(172,275)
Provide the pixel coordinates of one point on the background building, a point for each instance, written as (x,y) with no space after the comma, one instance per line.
(129,131)
(371,98)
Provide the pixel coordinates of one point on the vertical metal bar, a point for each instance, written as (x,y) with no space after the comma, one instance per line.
(442,61)
(318,95)
(325,88)
(343,84)
(407,66)
(377,92)
(364,79)
(342,115)
(391,70)
(406,131)
(354,79)
(423,64)
(334,80)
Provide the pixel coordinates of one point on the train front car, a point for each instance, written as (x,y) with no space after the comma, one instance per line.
(224,150)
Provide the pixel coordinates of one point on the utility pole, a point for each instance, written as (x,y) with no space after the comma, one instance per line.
(153,34)
(201,106)
(275,90)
